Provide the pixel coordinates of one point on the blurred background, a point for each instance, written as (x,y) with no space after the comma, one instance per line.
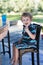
(10,13)
(14,8)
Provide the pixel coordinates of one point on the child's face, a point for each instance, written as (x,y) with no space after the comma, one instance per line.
(26,20)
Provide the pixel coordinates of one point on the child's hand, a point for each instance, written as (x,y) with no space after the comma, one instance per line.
(26,29)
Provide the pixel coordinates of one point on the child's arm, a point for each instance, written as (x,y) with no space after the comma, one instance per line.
(29,33)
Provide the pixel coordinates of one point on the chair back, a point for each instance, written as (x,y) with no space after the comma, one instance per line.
(38,30)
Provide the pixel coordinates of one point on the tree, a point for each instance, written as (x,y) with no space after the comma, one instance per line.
(40,7)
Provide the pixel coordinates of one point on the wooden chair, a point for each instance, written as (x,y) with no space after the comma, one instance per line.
(32,50)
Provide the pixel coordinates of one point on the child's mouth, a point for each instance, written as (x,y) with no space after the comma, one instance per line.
(26,23)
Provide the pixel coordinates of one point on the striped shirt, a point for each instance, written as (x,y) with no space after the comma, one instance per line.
(26,37)
(27,42)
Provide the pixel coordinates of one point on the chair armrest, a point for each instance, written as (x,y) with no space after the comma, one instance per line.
(3,32)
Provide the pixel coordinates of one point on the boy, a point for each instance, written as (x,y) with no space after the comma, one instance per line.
(28,36)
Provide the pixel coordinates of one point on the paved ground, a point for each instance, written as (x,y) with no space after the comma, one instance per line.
(15,34)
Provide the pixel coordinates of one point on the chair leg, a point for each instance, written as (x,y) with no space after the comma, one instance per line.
(33,58)
(9,45)
(20,59)
(38,59)
(3,46)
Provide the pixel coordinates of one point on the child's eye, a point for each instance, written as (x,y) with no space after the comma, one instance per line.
(25,20)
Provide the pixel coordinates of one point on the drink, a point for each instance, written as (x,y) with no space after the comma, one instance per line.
(3,19)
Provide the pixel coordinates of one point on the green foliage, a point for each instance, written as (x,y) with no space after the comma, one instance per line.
(9,9)
(13,17)
(5,0)
(1,9)
(18,5)
(21,5)
(40,7)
